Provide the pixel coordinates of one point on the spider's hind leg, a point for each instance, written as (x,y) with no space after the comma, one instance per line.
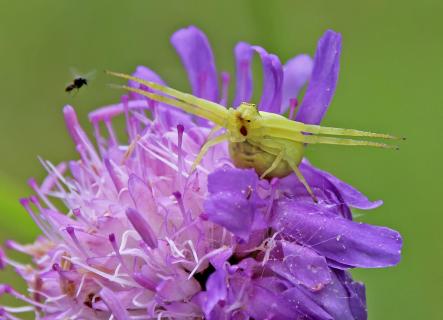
(304,182)
(280,151)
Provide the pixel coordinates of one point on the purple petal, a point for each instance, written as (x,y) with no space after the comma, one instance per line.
(323,81)
(170,118)
(347,242)
(232,211)
(73,125)
(114,305)
(304,266)
(181,309)
(232,180)
(270,300)
(296,73)
(144,281)
(305,305)
(351,196)
(77,133)
(195,52)
(216,290)
(141,195)
(218,261)
(264,303)
(233,194)
(272,77)
(146,278)
(356,293)
(329,189)
(178,288)
(243,57)
(339,301)
(146,74)
(271,102)
(108,112)
(164,114)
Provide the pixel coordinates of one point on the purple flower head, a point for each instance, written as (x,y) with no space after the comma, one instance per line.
(140,236)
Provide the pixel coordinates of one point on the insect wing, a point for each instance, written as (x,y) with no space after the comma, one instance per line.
(76,74)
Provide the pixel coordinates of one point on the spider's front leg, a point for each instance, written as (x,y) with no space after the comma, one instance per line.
(210,143)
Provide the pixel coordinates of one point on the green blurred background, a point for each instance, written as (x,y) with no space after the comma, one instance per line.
(390,81)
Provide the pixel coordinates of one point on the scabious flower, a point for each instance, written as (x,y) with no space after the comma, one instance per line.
(132,234)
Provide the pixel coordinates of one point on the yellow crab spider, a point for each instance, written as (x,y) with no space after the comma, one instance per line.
(270,143)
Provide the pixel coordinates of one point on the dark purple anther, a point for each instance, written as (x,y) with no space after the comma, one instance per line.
(24,202)
(32,183)
(71,231)
(34,199)
(4,288)
(180,130)
(178,197)
(111,238)
(77,212)
(114,245)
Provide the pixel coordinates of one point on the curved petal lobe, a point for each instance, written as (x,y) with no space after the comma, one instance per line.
(352,302)
(243,88)
(324,78)
(147,74)
(166,115)
(351,196)
(296,73)
(272,77)
(304,266)
(233,200)
(347,242)
(194,49)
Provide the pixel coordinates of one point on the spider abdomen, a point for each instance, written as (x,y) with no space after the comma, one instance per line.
(247,155)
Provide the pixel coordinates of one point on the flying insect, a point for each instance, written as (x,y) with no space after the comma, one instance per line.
(270,143)
(79,80)
(77,83)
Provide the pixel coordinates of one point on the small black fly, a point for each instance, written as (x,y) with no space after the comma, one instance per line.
(77,83)
(79,80)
